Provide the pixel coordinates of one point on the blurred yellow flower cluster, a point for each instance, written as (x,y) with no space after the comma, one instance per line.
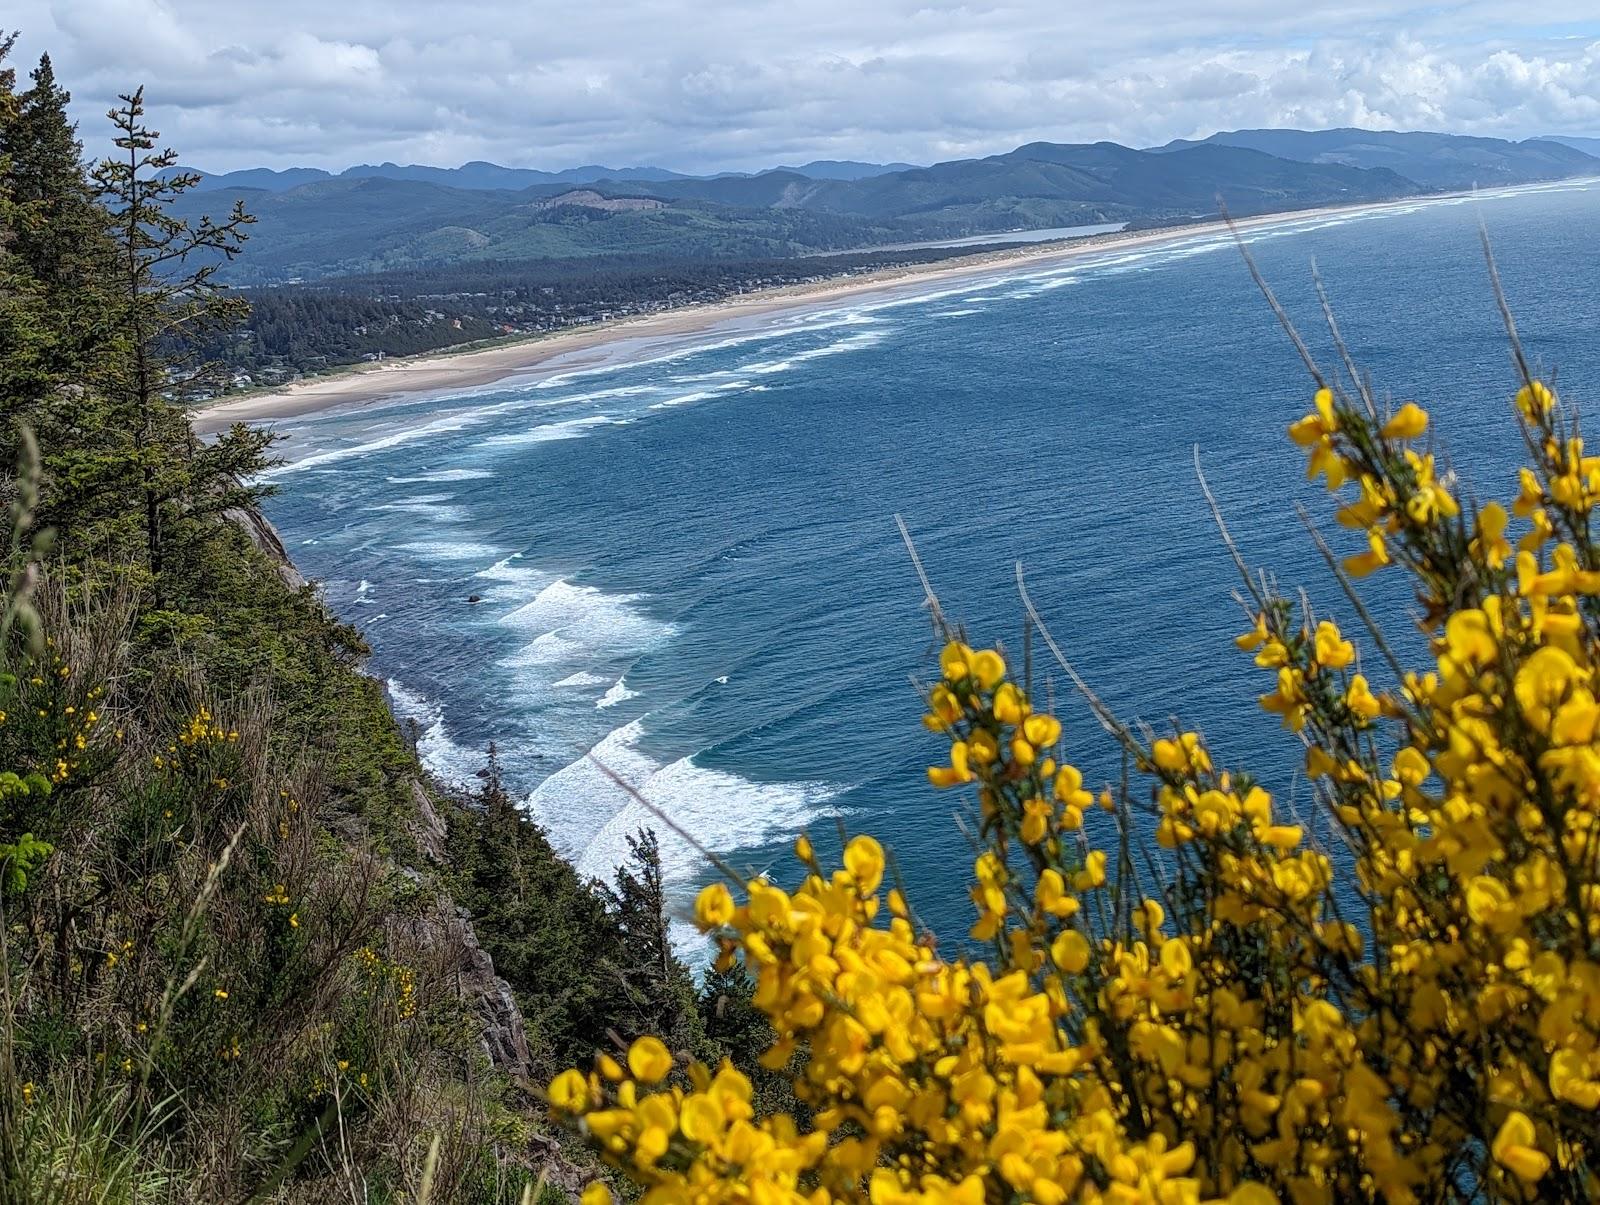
(1189,998)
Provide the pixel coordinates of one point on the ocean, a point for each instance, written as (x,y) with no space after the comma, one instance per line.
(689,564)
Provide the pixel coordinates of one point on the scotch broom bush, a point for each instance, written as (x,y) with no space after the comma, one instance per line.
(1223,1016)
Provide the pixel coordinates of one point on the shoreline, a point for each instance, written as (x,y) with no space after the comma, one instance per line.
(604,343)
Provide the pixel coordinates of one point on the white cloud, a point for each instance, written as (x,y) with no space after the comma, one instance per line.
(745,83)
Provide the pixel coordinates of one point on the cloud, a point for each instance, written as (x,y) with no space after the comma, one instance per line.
(746,83)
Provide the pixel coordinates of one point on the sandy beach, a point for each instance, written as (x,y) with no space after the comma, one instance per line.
(625,339)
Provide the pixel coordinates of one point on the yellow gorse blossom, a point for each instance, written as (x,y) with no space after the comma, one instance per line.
(1213,1021)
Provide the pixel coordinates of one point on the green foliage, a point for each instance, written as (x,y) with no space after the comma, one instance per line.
(654,992)
(20,857)
(224,972)
(591,964)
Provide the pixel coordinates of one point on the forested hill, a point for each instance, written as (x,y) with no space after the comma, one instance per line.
(1435,160)
(251,953)
(379,219)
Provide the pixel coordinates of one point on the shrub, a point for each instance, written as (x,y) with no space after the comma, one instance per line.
(1214,1020)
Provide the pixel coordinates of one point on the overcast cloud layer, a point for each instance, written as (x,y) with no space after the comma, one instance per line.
(742,84)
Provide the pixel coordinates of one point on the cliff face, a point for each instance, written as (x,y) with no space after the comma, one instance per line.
(265,537)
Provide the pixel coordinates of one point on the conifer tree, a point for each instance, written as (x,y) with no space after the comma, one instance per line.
(23,334)
(61,235)
(168,301)
(658,993)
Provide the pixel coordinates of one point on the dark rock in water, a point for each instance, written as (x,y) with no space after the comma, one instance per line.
(471,598)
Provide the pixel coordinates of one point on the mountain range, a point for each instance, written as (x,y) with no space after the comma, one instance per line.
(314,224)
(479,175)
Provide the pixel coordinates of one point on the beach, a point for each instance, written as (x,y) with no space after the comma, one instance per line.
(622,340)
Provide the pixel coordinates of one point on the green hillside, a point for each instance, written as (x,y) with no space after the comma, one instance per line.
(1436,160)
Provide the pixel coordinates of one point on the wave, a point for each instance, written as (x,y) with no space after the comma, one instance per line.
(618,693)
(448,550)
(440,426)
(572,428)
(576,622)
(433,506)
(441,756)
(442,475)
(848,344)
(583,678)
(590,817)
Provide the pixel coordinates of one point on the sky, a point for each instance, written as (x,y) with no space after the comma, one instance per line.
(707,85)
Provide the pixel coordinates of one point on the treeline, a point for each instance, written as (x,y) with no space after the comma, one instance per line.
(246,944)
(308,328)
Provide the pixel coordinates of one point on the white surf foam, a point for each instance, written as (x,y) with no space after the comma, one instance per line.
(433,506)
(618,693)
(582,678)
(446,760)
(442,475)
(576,622)
(857,342)
(687,399)
(572,428)
(449,550)
(439,426)
(590,817)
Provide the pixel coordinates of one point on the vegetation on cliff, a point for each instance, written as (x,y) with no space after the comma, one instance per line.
(247,951)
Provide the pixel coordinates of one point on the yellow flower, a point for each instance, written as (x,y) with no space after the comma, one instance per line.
(1514,1149)
(1408,422)
(1042,731)
(649,1060)
(1490,543)
(1534,400)
(956,772)
(1255,637)
(713,907)
(863,858)
(569,1092)
(1572,1079)
(596,1193)
(1070,951)
(1376,556)
(988,667)
(1333,651)
(1360,699)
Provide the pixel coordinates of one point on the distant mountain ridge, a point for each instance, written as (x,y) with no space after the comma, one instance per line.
(479,175)
(1589,146)
(1451,161)
(313,224)
(476,176)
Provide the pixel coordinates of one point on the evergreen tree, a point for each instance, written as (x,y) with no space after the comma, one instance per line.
(61,238)
(24,330)
(738,1031)
(167,303)
(58,275)
(545,929)
(657,990)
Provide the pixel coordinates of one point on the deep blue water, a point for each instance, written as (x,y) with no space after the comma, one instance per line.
(691,564)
